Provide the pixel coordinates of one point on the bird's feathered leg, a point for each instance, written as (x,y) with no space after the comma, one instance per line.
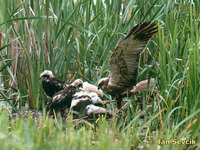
(119,100)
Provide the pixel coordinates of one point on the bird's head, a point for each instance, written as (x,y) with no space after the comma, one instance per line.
(71,89)
(78,83)
(102,84)
(75,86)
(46,74)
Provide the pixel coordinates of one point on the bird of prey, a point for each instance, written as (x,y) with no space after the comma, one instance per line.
(61,101)
(124,60)
(88,94)
(87,87)
(51,84)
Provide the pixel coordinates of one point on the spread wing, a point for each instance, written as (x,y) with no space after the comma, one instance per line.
(124,60)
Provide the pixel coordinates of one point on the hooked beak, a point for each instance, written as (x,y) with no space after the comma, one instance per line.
(41,78)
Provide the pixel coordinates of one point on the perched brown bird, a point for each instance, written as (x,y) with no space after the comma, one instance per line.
(51,84)
(124,61)
(61,101)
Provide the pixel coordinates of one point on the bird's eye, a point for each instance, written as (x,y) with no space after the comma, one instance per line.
(100,84)
(46,76)
(79,85)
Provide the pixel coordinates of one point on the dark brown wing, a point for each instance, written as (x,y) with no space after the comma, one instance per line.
(61,100)
(52,85)
(124,60)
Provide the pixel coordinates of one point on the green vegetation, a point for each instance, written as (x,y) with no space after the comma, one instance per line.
(74,40)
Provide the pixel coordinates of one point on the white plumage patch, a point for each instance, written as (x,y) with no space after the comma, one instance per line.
(47,72)
(77,82)
(92,88)
(92,109)
(95,99)
(75,102)
(57,97)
